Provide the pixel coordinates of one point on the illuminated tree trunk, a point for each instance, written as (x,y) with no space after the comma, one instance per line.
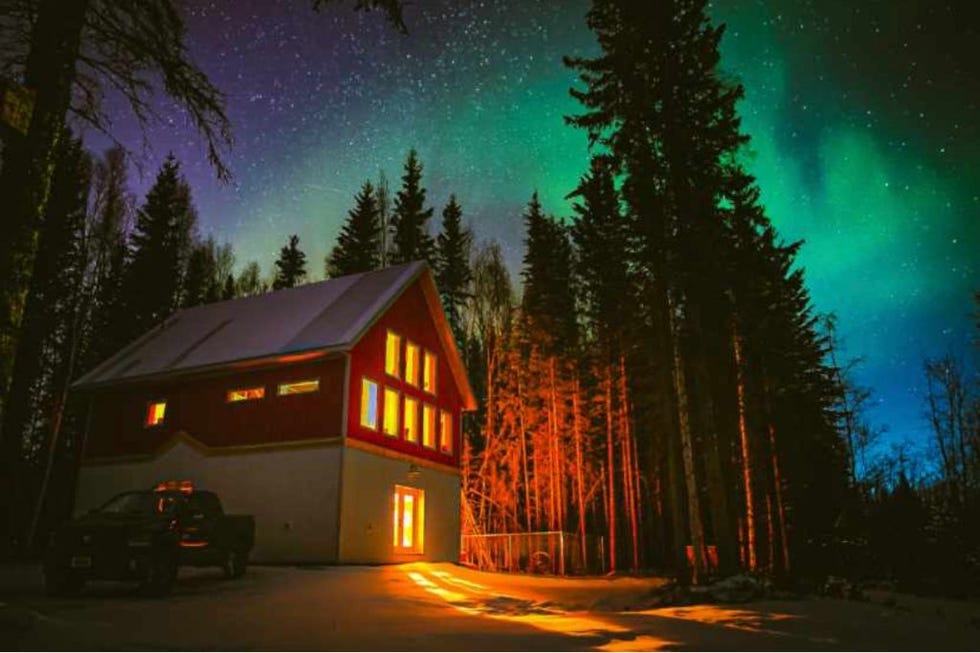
(579,470)
(610,470)
(524,461)
(629,485)
(777,486)
(687,455)
(743,432)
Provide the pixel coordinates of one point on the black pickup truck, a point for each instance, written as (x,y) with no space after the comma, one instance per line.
(145,536)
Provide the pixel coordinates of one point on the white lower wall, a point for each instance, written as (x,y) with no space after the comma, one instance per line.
(368,503)
(292,493)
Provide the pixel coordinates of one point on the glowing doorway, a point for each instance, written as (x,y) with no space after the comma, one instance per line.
(409,519)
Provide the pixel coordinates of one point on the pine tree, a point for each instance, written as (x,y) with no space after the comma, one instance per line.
(410,239)
(160,245)
(290,266)
(359,242)
(47,356)
(229,290)
(453,275)
(249,282)
(548,304)
(201,282)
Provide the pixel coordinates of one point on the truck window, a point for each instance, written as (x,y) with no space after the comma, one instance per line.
(206,503)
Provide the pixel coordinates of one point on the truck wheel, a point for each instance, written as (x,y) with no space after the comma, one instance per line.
(235,563)
(161,573)
(62,582)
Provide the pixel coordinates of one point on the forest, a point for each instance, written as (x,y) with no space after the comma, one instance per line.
(654,373)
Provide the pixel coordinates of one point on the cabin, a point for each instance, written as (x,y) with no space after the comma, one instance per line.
(331,412)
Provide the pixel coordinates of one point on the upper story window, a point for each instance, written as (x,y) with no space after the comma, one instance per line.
(429,373)
(391,412)
(246,394)
(369,404)
(411,363)
(299,387)
(445,431)
(155,412)
(411,419)
(393,348)
(428,426)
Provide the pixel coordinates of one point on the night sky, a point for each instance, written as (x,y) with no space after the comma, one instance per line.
(863,119)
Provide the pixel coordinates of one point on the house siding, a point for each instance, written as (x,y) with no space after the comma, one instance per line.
(367,508)
(292,493)
(199,407)
(410,317)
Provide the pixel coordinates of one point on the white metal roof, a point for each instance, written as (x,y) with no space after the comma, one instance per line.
(329,314)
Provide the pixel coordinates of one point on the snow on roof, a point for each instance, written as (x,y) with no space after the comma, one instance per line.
(325,315)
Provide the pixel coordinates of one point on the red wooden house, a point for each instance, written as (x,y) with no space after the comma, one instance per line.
(331,412)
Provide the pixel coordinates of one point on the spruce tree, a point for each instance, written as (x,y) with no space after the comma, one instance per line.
(160,245)
(548,304)
(453,275)
(47,356)
(359,243)
(290,266)
(410,239)
(249,281)
(201,282)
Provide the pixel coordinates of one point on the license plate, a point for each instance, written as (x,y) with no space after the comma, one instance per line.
(81,562)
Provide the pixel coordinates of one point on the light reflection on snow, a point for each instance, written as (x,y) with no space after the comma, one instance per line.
(474,601)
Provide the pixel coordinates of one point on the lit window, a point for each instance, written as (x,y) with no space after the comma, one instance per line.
(428,426)
(412,364)
(393,347)
(408,519)
(299,387)
(155,412)
(391,412)
(446,431)
(411,419)
(429,373)
(369,404)
(246,394)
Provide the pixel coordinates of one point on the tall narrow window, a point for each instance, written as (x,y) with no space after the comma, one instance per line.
(429,373)
(412,363)
(155,412)
(445,431)
(408,532)
(369,404)
(393,350)
(391,412)
(428,426)
(411,419)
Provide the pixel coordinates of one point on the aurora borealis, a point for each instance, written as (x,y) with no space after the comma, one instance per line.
(863,121)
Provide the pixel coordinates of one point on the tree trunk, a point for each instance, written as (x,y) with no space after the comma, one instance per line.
(611,467)
(743,432)
(25,181)
(687,453)
(579,472)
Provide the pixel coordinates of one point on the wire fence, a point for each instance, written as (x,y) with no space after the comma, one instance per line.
(544,552)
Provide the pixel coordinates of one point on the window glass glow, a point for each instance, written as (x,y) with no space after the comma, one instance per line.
(428,426)
(393,347)
(446,431)
(246,394)
(155,413)
(391,413)
(412,364)
(411,419)
(408,520)
(299,387)
(369,404)
(429,373)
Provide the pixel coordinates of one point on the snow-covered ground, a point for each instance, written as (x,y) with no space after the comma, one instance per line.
(446,607)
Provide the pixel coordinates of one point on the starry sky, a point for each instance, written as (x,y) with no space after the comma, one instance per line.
(862,115)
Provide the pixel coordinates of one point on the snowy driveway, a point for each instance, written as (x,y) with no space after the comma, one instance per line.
(435,607)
